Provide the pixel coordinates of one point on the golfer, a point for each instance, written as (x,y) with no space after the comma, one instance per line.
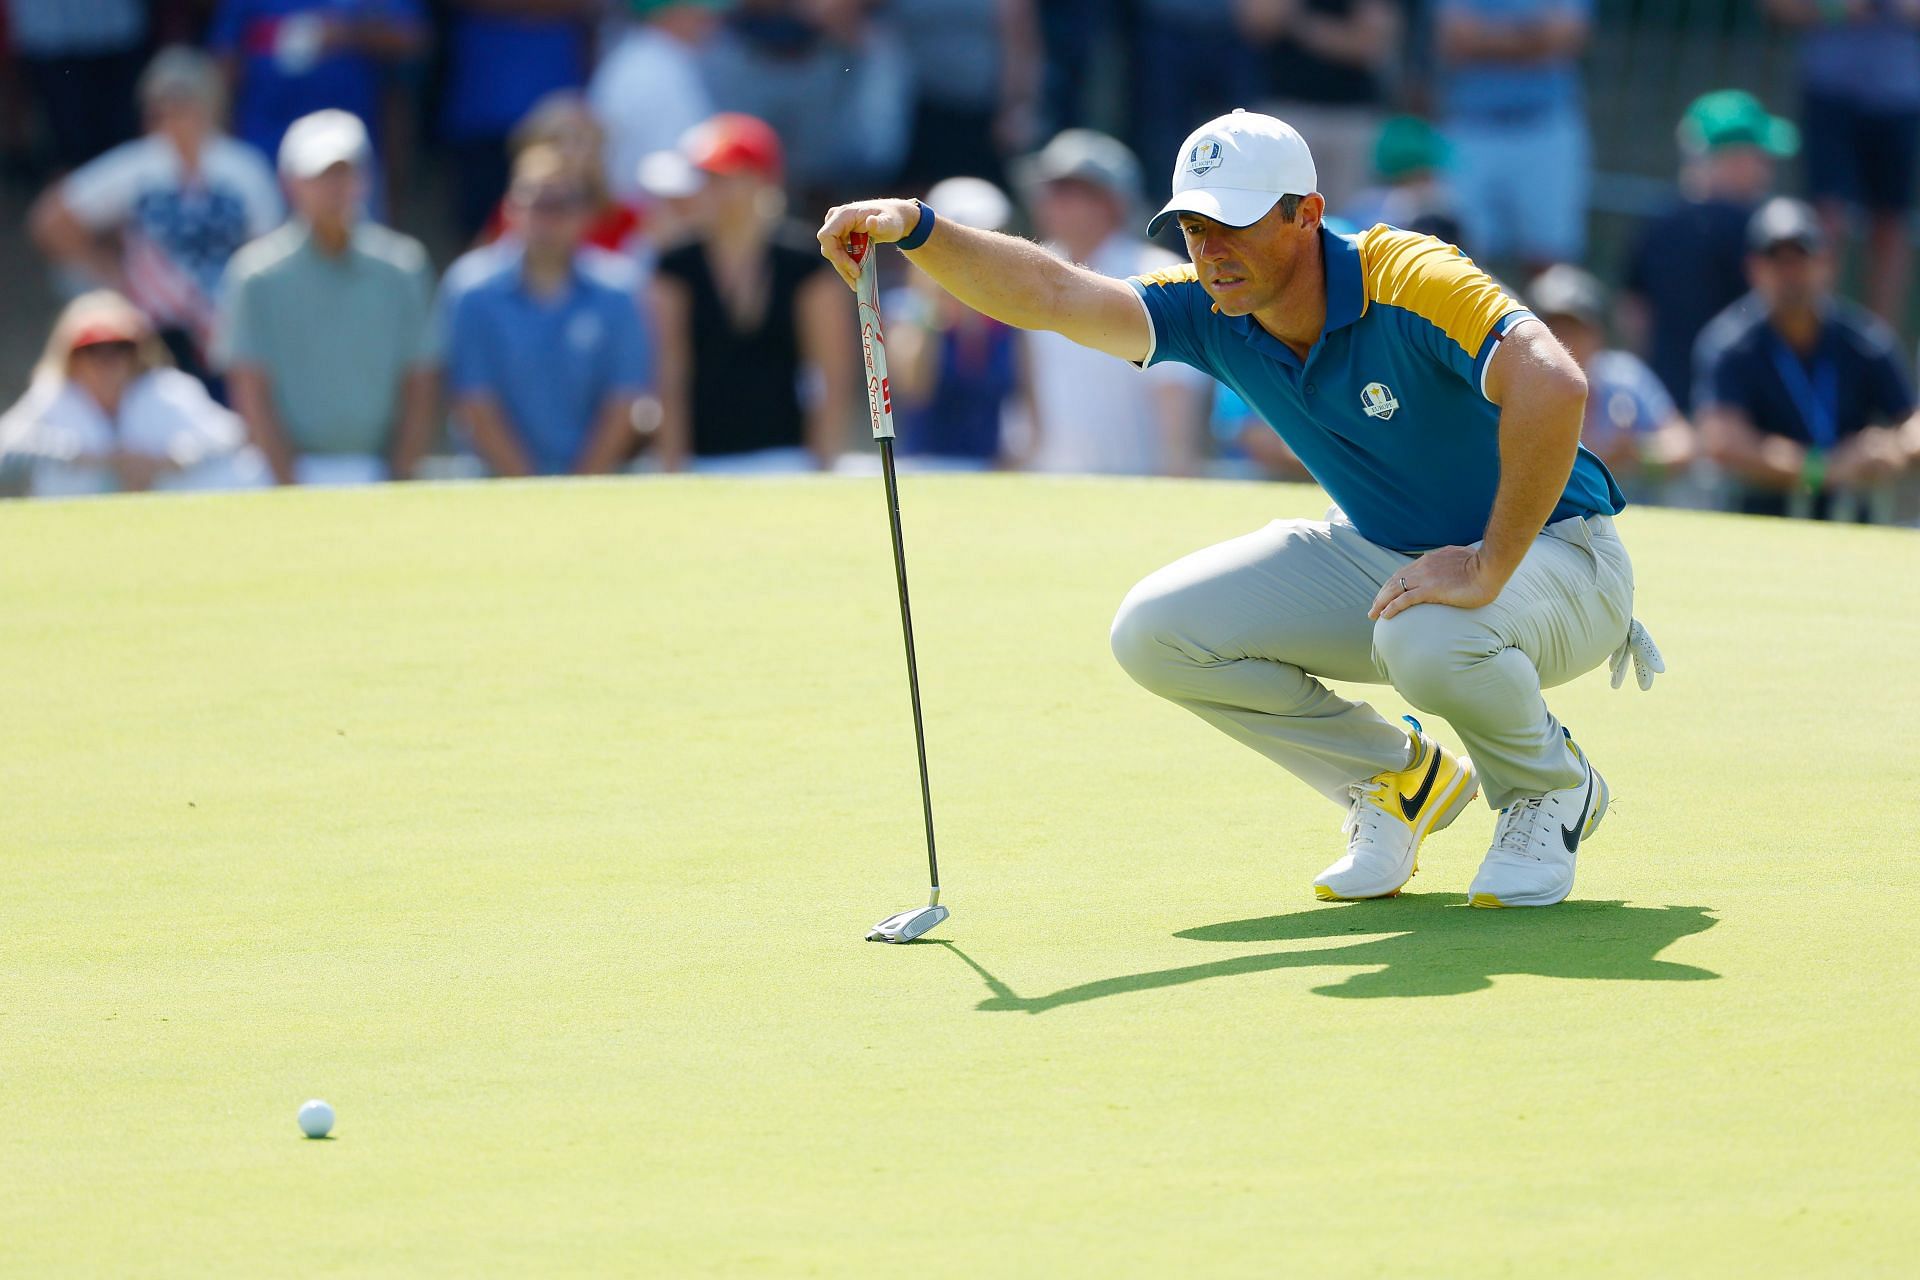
(1470,561)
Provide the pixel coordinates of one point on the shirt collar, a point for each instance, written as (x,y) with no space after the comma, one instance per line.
(310,245)
(1346,281)
(513,265)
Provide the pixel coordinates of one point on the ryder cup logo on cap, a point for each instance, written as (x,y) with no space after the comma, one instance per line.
(1236,167)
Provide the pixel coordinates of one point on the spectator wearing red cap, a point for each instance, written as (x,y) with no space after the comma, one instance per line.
(107,412)
(746,315)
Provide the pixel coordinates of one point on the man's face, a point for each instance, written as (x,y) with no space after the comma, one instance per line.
(1246,269)
(105,369)
(179,115)
(331,198)
(550,214)
(1740,171)
(1791,277)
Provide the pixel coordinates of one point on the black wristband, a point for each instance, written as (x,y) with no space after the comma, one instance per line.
(921,230)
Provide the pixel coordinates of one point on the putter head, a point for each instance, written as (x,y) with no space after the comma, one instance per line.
(907,925)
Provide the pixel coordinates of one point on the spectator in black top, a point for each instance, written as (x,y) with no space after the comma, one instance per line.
(1327,61)
(1801,397)
(746,315)
(1689,264)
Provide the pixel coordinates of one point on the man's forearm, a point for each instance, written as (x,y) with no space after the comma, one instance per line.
(1013,280)
(1543,398)
(1537,448)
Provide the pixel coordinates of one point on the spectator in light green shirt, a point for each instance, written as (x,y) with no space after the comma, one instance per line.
(325,327)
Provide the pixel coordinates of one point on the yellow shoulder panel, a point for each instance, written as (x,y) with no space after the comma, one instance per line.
(1433,280)
(1183,274)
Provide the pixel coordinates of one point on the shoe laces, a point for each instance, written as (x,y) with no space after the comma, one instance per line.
(1518,822)
(1363,817)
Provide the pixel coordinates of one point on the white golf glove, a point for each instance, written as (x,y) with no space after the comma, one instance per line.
(1647,662)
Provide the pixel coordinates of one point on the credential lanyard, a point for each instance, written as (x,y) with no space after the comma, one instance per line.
(1817,398)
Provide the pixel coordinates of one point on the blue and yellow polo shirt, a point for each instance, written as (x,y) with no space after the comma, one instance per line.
(1389,409)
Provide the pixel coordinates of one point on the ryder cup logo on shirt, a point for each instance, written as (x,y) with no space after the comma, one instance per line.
(1377,399)
(1204,158)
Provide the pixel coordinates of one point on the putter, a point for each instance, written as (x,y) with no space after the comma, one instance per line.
(906,925)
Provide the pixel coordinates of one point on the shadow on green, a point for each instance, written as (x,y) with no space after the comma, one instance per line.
(1418,945)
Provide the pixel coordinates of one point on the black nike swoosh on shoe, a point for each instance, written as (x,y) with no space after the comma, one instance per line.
(1570,836)
(1410,805)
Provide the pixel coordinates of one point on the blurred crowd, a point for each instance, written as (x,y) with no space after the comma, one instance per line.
(632,186)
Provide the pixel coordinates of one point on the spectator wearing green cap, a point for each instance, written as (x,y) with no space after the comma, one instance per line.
(1689,264)
(1410,160)
(1860,86)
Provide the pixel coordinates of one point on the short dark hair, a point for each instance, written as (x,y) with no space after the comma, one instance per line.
(1289,207)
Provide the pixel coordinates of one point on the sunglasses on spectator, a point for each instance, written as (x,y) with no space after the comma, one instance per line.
(115,349)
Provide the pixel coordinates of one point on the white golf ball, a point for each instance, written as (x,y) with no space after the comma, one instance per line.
(316,1119)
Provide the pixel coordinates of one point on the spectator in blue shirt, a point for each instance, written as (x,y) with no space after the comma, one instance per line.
(1802,397)
(546,357)
(1860,74)
(289,58)
(1631,421)
(503,56)
(1690,263)
(1511,105)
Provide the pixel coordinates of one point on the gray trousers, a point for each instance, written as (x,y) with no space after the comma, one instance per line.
(1241,634)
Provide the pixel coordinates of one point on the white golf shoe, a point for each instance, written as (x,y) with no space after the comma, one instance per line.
(1390,814)
(1538,841)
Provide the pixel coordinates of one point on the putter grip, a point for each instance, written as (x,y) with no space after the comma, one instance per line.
(873,340)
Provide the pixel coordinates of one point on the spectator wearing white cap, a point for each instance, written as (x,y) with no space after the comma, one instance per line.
(325,328)
(107,413)
(953,370)
(1092,413)
(158,218)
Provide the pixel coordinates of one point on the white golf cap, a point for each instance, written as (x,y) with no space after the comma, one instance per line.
(1235,168)
(317,142)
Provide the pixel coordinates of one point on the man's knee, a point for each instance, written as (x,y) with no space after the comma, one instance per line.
(1143,638)
(1425,654)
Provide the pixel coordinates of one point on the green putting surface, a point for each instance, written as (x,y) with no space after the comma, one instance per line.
(536,827)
